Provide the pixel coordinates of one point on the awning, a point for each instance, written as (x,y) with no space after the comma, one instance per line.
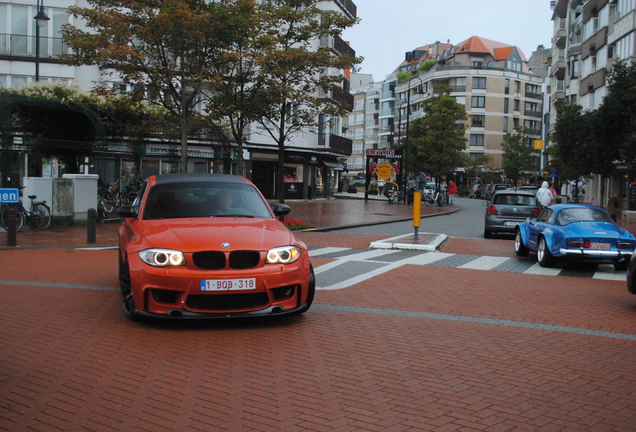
(331,162)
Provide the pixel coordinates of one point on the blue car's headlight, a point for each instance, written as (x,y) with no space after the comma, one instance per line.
(162,257)
(283,255)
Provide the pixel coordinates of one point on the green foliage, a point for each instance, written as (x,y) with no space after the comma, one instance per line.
(437,139)
(519,156)
(427,65)
(403,77)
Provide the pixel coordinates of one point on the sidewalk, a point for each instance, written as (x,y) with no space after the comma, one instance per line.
(346,210)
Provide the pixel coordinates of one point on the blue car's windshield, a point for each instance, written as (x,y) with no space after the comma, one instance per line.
(567,216)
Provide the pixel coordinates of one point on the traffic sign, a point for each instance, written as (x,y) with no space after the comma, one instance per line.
(9,195)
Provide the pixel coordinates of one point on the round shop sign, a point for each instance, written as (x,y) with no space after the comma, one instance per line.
(384,170)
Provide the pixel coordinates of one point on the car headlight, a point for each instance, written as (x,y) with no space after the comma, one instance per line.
(162,257)
(283,255)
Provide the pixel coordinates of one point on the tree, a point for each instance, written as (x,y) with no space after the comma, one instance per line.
(570,142)
(296,87)
(437,139)
(616,121)
(163,48)
(519,157)
(67,122)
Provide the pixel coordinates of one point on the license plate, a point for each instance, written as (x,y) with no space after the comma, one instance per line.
(508,223)
(228,284)
(600,246)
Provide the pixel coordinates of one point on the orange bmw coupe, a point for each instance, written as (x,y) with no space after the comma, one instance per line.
(209,246)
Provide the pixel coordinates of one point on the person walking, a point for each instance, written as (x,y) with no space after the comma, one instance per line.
(381,188)
(544,195)
(451,191)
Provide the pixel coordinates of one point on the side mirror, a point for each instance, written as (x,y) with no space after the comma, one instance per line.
(281,209)
(127,211)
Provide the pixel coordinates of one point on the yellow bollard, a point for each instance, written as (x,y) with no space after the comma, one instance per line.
(417,211)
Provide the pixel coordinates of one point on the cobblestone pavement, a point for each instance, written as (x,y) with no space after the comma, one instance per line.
(414,348)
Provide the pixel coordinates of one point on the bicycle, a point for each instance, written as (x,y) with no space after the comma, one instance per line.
(39,214)
(431,198)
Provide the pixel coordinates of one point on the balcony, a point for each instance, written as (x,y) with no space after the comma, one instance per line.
(337,45)
(348,7)
(21,46)
(341,145)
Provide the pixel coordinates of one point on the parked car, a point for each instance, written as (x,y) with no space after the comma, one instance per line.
(477,190)
(631,276)
(575,232)
(209,246)
(490,190)
(507,209)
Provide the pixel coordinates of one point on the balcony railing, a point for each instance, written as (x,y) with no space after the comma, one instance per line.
(24,46)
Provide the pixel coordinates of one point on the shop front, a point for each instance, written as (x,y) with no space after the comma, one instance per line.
(306,176)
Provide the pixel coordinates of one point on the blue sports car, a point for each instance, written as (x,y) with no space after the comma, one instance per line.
(575,232)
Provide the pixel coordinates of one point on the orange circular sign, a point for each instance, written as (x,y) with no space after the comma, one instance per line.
(384,170)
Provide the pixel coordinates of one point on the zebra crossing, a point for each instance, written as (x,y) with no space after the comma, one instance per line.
(353,266)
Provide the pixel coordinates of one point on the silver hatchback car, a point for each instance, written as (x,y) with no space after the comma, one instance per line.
(508,208)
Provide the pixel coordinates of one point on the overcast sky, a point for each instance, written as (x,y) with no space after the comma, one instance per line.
(388,29)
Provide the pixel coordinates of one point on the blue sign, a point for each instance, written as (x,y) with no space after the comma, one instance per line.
(9,195)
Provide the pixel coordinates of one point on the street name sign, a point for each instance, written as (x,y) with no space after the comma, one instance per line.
(9,195)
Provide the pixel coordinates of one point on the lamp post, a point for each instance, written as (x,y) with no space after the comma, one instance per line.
(41,18)
(406,141)
(187,96)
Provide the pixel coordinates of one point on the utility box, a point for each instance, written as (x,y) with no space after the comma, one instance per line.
(84,194)
(42,187)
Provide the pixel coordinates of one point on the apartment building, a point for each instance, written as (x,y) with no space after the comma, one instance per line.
(590,36)
(313,159)
(491,79)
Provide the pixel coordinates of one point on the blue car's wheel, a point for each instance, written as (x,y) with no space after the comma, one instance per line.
(520,248)
(544,255)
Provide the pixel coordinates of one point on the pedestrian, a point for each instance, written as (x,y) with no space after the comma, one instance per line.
(451,191)
(381,188)
(544,195)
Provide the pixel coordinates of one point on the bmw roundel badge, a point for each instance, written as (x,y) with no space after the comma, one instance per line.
(225,245)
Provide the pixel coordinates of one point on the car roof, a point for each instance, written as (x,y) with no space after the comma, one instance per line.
(515,191)
(199,177)
(559,207)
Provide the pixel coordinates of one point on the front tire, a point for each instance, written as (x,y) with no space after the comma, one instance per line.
(544,255)
(41,216)
(4,218)
(125,287)
(311,291)
(520,248)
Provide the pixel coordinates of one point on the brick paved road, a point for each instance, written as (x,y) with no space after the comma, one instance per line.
(419,348)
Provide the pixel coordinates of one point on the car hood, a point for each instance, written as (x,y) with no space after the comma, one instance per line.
(190,235)
(596,229)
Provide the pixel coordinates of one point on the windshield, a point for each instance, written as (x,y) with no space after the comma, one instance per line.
(567,216)
(515,199)
(204,199)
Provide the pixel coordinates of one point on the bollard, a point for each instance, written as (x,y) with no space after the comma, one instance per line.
(91,226)
(12,225)
(417,212)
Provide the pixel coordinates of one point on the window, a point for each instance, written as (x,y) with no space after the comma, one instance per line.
(477,64)
(507,86)
(574,69)
(478,101)
(506,104)
(610,51)
(593,63)
(517,86)
(530,106)
(476,140)
(505,124)
(478,120)
(461,100)
(479,82)
(517,103)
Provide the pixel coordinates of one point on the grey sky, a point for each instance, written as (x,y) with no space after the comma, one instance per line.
(389,29)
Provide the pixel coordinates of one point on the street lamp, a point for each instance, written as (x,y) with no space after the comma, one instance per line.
(41,18)
(406,141)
